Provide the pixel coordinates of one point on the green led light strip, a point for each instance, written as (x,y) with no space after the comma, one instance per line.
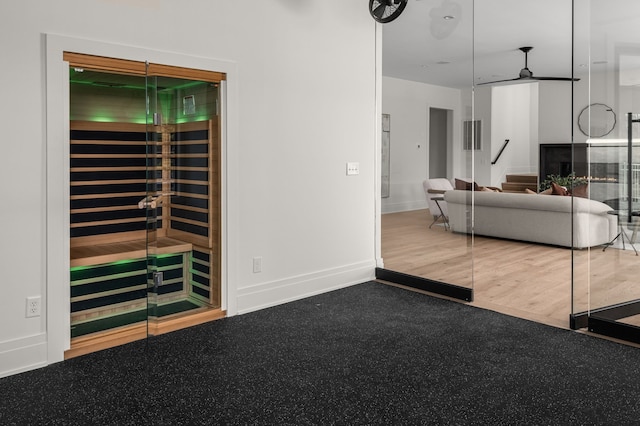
(122,262)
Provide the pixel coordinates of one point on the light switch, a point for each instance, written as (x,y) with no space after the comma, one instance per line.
(257,264)
(353,169)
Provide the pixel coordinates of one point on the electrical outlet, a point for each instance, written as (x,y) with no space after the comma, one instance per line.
(33,306)
(353,168)
(257,264)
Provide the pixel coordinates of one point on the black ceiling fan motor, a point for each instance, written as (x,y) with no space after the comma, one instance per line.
(385,11)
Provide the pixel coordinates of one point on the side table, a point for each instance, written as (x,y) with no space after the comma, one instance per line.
(445,219)
(622,235)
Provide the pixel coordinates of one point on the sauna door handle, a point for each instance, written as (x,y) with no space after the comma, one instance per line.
(150,202)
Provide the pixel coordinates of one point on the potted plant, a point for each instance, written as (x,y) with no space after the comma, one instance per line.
(568,182)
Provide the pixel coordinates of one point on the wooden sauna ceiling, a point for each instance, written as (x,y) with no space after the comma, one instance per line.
(105,79)
(98,78)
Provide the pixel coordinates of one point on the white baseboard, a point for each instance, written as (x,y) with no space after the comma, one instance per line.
(24,354)
(29,353)
(274,293)
(403,207)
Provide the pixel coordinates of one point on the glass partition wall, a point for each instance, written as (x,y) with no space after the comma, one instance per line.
(522,87)
(426,148)
(470,53)
(574,126)
(606,297)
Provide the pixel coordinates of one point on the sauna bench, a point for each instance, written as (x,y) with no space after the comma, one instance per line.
(113,252)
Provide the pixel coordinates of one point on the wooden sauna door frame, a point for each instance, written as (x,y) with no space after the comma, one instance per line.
(143,69)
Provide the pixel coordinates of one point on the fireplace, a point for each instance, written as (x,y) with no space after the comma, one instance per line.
(556,159)
(602,164)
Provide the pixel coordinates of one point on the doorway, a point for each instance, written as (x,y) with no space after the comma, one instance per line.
(145,204)
(440,130)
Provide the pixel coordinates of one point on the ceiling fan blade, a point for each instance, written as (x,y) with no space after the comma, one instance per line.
(501,81)
(555,78)
(378,12)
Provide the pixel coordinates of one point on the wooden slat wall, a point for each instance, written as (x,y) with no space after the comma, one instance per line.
(195,187)
(204,282)
(175,269)
(108,178)
(194,210)
(104,291)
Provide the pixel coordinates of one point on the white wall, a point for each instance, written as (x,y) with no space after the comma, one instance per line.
(302,103)
(554,114)
(527,114)
(514,111)
(482,102)
(408,104)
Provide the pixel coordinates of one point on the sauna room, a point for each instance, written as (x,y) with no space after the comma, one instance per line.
(144,200)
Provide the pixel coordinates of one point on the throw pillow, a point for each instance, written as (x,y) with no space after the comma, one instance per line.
(558,190)
(466,186)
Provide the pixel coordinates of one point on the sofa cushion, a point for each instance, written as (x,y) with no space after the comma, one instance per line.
(520,200)
(546,219)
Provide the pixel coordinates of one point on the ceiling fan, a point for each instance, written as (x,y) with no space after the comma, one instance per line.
(526,74)
(384,11)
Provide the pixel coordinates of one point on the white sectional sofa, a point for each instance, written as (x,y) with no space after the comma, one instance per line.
(545,219)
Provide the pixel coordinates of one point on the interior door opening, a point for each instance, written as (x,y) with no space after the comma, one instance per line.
(145,245)
(440,122)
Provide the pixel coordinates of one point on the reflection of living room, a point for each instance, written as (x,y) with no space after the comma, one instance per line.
(545,152)
(523,234)
(528,115)
(517,278)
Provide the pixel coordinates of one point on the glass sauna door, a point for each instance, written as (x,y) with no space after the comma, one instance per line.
(607,102)
(144,161)
(182,198)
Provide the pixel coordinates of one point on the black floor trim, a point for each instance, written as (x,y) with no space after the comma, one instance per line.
(613,312)
(617,330)
(578,321)
(424,284)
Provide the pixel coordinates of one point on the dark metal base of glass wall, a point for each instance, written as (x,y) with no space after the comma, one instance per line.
(617,330)
(606,321)
(450,290)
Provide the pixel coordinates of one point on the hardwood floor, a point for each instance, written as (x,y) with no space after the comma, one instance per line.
(531,281)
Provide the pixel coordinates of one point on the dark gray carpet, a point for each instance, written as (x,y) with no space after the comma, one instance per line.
(368,354)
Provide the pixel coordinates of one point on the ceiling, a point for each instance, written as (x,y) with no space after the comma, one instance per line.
(480,44)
